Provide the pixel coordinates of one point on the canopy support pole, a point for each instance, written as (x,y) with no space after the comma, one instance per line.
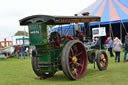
(124,27)
(120,32)
(100,38)
(110,30)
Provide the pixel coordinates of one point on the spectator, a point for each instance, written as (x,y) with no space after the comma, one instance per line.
(17,47)
(97,43)
(110,46)
(117,48)
(106,43)
(126,47)
(114,39)
(22,53)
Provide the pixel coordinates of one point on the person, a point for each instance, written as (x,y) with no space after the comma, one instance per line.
(106,43)
(126,47)
(110,46)
(117,48)
(97,43)
(17,48)
(22,53)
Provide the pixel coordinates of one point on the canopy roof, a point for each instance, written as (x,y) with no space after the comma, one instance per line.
(109,10)
(46,19)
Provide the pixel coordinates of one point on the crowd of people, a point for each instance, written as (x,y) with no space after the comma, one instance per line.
(116,46)
(111,44)
(20,51)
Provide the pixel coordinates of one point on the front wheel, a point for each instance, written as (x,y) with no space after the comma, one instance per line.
(102,60)
(74,59)
(38,72)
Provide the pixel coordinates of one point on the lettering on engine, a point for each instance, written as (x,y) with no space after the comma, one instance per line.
(34,32)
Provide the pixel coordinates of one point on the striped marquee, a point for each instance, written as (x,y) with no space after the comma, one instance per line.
(108,10)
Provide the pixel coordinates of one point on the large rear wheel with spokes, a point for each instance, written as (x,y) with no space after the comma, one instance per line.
(74,59)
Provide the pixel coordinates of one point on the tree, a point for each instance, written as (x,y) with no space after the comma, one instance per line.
(21,33)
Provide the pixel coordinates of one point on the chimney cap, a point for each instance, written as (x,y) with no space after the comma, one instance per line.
(76,14)
(85,14)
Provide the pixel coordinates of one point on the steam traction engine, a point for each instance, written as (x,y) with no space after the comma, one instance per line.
(66,53)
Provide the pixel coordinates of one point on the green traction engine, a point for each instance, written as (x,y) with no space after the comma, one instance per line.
(67,53)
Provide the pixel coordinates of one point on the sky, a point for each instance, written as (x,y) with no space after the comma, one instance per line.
(11,11)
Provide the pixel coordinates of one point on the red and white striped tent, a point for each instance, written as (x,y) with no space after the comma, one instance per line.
(113,11)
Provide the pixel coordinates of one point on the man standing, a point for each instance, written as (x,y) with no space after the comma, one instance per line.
(110,46)
(117,48)
(17,47)
(98,43)
(126,47)
(22,53)
(106,43)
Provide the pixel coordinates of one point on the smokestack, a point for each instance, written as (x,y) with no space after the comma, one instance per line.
(85,14)
(76,14)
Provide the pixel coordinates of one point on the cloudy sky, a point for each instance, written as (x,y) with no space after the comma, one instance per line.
(11,11)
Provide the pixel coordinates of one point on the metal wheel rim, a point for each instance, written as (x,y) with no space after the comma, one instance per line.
(103,61)
(77,60)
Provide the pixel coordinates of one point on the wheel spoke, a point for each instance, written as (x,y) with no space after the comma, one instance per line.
(80,65)
(78,54)
(72,66)
(70,57)
(70,62)
(72,52)
(101,60)
(78,59)
(75,49)
(102,64)
(76,74)
(104,60)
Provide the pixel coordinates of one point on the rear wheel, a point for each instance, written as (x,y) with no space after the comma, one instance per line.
(102,60)
(74,59)
(37,70)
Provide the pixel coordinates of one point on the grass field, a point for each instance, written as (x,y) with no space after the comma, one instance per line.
(19,72)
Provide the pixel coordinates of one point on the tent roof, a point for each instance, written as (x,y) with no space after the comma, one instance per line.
(109,10)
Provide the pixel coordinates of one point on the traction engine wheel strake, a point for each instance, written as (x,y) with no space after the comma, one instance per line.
(74,59)
(102,60)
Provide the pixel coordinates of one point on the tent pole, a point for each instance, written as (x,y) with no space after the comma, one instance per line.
(120,32)
(124,27)
(110,29)
(100,37)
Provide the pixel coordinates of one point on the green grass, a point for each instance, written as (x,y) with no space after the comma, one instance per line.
(19,72)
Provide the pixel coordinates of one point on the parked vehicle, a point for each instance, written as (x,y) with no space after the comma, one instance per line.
(67,53)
